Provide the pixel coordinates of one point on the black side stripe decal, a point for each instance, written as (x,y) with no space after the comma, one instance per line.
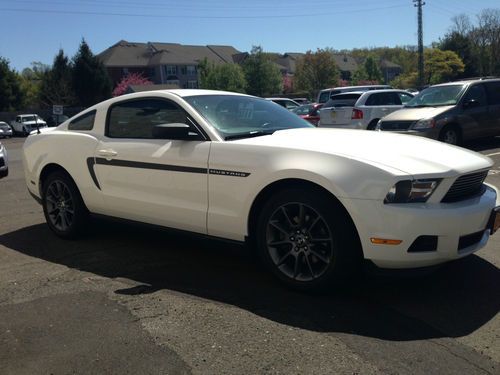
(142,165)
(90,165)
(163,167)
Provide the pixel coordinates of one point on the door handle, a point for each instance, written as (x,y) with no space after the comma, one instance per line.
(108,154)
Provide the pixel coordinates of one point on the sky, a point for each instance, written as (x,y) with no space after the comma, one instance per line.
(35,30)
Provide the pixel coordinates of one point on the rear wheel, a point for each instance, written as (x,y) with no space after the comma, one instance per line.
(307,240)
(63,207)
(372,125)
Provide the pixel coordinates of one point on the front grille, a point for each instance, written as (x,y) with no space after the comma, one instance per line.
(424,244)
(2,162)
(470,240)
(396,125)
(466,186)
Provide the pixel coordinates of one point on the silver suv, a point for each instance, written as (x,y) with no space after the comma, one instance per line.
(326,94)
(361,110)
(451,112)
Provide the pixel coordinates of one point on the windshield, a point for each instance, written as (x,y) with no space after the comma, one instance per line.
(437,96)
(237,116)
(303,109)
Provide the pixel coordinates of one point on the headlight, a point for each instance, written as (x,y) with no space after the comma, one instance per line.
(424,124)
(412,191)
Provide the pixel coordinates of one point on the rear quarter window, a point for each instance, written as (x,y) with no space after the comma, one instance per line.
(84,122)
(493,90)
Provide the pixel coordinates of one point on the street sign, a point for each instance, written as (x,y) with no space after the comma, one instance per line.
(57,109)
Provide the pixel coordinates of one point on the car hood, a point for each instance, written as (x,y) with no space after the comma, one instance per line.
(405,153)
(408,114)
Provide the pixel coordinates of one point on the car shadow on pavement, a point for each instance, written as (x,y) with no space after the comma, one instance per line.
(452,302)
(482,144)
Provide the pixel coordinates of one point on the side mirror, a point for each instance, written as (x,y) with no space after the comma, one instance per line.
(174,131)
(471,103)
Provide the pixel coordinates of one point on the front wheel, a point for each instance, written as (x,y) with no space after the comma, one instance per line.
(450,135)
(307,240)
(63,207)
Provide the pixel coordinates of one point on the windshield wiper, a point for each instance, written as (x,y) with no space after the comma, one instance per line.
(253,133)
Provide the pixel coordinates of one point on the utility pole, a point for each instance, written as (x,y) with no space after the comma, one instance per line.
(419,4)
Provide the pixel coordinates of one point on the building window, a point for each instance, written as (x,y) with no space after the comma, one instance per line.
(184,70)
(173,82)
(125,71)
(191,70)
(171,69)
(192,84)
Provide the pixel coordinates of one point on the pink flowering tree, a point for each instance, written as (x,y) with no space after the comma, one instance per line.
(130,79)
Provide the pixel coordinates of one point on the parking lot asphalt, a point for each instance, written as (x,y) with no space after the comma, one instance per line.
(134,299)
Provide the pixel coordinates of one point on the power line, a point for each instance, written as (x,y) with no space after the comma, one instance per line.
(92,13)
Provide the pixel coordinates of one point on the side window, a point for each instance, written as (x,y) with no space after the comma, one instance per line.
(136,118)
(493,89)
(405,98)
(374,99)
(392,98)
(476,93)
(84,122)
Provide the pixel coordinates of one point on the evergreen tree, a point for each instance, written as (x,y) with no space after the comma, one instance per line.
(56,83)
(11,95)
(91,82)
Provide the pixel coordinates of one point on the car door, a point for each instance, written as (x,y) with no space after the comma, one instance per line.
(493,91)
(158,181)
(474,118)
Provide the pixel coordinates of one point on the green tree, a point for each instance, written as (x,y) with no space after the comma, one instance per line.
(315,71)
(360,76)
(56,85)
(262,75)
(463,47)
(31,79)
(373,72)
(229,77)
(91,82)
(11,95)
(441,66)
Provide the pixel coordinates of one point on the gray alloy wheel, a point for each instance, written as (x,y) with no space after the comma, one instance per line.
(60,205)
(306,238)
(63,206)
(299,242)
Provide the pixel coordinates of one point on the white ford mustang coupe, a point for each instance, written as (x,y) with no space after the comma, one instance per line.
(314,203)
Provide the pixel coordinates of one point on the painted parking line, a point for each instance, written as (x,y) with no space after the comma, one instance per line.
(494,154)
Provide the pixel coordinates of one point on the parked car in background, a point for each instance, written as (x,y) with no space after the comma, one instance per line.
(324,95)
(451,112)
(309,112)
(5,130)
(361,110)
(302,100)
(285,102)
(25,124)
(4,162)
(313,203)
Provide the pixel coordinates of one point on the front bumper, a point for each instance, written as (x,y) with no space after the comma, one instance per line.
(5,133)
(460,229)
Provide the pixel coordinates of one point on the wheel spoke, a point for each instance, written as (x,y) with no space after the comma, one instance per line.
(283,258)
(314,223)
(309,266)
(279,242)
(301,215)
(296,267)
(320,257)
(54,210)
(289,221)
(320,239)
(278,226)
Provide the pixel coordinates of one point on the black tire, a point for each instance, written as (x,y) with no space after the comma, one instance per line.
(372,125)
(451,135)
(307,240)
(63,206)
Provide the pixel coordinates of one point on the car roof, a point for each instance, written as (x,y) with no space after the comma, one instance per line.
(280,99)
(353,87)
